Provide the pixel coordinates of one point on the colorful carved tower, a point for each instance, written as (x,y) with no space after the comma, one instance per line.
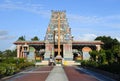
(58,39)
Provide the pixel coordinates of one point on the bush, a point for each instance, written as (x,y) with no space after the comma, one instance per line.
(90,64)
(24,65)
(11,66)
(2,70)
(113,68)
(5,70)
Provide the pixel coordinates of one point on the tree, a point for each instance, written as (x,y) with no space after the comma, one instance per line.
(7,53)
(102,56)
(116,52)
(1,53)
(10,53)
(94,55)
(111,47)
(14,53)
(109,56)
(108,42)
(22,38)
(35,38)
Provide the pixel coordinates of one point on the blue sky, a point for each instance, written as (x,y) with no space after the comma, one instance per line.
(87,19)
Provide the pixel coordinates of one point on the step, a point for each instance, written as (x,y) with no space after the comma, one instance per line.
(42,63)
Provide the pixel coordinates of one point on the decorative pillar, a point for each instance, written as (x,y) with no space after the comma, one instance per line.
(18,51)
(67,52)
(48,51)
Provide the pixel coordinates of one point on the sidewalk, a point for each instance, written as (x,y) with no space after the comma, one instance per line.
(57,74)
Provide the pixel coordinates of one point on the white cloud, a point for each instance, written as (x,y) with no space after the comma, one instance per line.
(4,35)
(7,37)
(91,37)
(2,32)
(111,21)
(26,6)
(84,19)
(86,37)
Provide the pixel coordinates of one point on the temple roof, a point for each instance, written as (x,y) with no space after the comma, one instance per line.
(87,42)
(29,42)
(73,42)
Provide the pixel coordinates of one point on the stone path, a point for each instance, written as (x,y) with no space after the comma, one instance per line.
(96,75)
(36,75)
(75,75)
(57,74)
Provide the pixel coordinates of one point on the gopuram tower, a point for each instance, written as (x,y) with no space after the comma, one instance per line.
(58,39)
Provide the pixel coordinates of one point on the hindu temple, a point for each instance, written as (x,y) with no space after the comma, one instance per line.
(58,43)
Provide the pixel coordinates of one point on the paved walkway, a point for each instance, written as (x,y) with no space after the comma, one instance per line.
(74,75)
(96,75)
(57,74)
(39,74)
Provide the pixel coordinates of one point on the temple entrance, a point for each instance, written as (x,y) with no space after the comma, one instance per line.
(36,53)
(56,50)
(77,54)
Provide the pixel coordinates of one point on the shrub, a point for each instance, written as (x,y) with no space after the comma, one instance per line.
(2,70)
(10,66)
(113,68)
(93,64)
